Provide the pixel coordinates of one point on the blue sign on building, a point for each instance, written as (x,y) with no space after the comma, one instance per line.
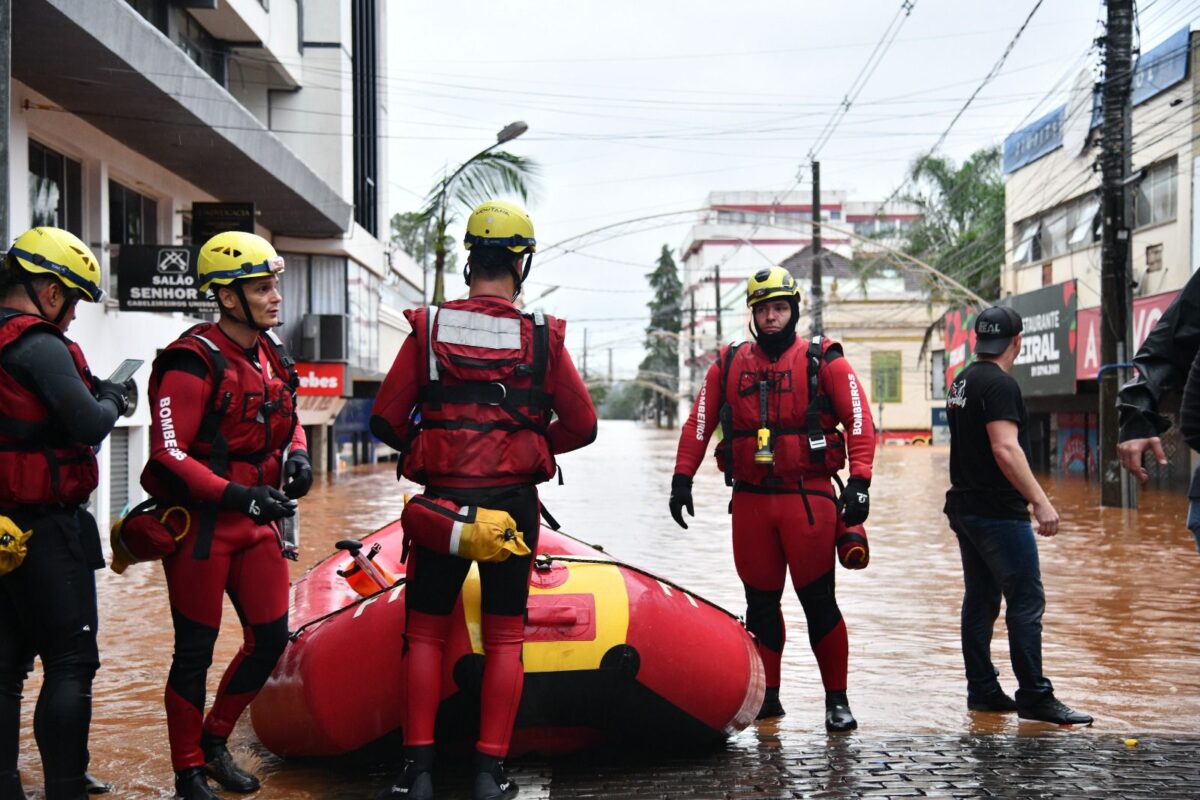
(1156,71)
(1034,141)
(1161,68)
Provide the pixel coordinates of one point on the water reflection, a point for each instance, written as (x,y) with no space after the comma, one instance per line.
(1122,636)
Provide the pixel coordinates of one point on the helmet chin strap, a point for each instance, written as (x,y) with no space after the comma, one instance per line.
(27,282)
(249,320)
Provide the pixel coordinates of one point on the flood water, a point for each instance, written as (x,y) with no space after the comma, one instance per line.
(1122,626)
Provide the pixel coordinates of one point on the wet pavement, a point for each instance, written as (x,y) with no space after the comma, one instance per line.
(1122,642)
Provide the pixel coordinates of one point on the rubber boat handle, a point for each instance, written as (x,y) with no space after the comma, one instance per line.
(350,545)
(566,616)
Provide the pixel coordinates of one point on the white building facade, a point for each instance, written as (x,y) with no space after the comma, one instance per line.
(124,114)
(881,319)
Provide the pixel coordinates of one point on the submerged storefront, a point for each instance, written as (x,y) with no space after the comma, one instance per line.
(1057,370)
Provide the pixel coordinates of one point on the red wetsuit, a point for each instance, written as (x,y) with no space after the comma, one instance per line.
(478,452)
(234,556)
(785,515)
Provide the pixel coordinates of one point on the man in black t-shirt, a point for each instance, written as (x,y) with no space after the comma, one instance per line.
(987,504)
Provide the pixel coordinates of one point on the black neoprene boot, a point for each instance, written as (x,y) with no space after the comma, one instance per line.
(192,785)
(491,783)
(415,781)
(838,718)
(771,707)
(221,767)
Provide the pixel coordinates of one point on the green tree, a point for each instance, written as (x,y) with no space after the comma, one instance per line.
(661,364)
(620,401)
(961,229)
(415,235)
(486,176)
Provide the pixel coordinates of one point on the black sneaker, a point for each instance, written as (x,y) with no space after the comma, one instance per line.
(838,718)
(491,782)
(995,700)
(192,785)
(1051,709)
(221,767)
(415,781)
(771,707)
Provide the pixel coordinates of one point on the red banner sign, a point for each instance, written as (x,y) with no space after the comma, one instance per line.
(1147,311)
(327,379)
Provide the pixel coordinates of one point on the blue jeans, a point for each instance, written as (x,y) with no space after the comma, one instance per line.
(1193,519)
(1000,558)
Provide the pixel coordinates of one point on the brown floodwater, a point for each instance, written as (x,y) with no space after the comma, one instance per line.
(1122,625)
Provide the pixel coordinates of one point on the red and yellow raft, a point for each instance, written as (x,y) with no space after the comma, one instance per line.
(612,655)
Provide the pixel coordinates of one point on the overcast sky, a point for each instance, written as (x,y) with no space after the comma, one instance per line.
(643,108)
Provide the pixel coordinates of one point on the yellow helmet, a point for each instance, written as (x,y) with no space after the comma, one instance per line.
(498,223)
(774,283)
(53,251)
(234,256)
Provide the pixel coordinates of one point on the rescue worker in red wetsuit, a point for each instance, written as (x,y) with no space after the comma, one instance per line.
(468,404)
(54,413)
(223,401)
(780,450)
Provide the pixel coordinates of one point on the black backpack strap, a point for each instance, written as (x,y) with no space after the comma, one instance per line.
(726,411)
(812,415)
(210,432)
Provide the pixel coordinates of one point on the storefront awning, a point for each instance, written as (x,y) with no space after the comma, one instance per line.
(318,409)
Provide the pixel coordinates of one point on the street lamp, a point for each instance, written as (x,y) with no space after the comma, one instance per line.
(506,134)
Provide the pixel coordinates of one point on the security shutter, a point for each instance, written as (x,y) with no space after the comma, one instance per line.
(118,471)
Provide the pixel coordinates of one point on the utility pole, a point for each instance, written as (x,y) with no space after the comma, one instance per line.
(818,321)
(717,293)
(610,366)
(5,115)
(1116,487)
(585,354)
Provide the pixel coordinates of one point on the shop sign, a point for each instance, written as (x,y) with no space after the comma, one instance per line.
(322,379)
(1147,311)
(153,277)
(1034,141)
(1161,68)
(1046,363)
(209,219)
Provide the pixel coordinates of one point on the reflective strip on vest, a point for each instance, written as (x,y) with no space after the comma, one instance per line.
(430,315)
(457,531)
(478,330)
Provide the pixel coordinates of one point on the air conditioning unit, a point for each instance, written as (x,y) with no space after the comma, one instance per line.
(325,337)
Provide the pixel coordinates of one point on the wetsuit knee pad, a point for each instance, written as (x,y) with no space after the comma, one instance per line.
(820,606)
(270,638)
(764,618)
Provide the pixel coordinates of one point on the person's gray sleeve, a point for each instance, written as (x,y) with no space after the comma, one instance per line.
(1162,365)
(42,362)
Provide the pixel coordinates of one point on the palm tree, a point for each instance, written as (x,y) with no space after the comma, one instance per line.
(482,177)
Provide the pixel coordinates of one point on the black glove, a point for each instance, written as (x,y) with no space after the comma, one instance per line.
(117,393)
(681,497)
(131,397)
(262,504)
(297,475)
(856,502)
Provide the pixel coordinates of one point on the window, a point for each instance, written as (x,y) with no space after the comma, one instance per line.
(366,115)
(885,376)
(1085,230)
(55,190)
(1155,200)
(1048,273)
(364,316)
(132,219)
(937,366)
(1154,259)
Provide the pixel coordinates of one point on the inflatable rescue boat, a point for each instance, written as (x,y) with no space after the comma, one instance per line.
(612,655)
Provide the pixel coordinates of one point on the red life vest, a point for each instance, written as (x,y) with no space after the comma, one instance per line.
(252,411)
(483,411)
(804,435)
(36,466)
